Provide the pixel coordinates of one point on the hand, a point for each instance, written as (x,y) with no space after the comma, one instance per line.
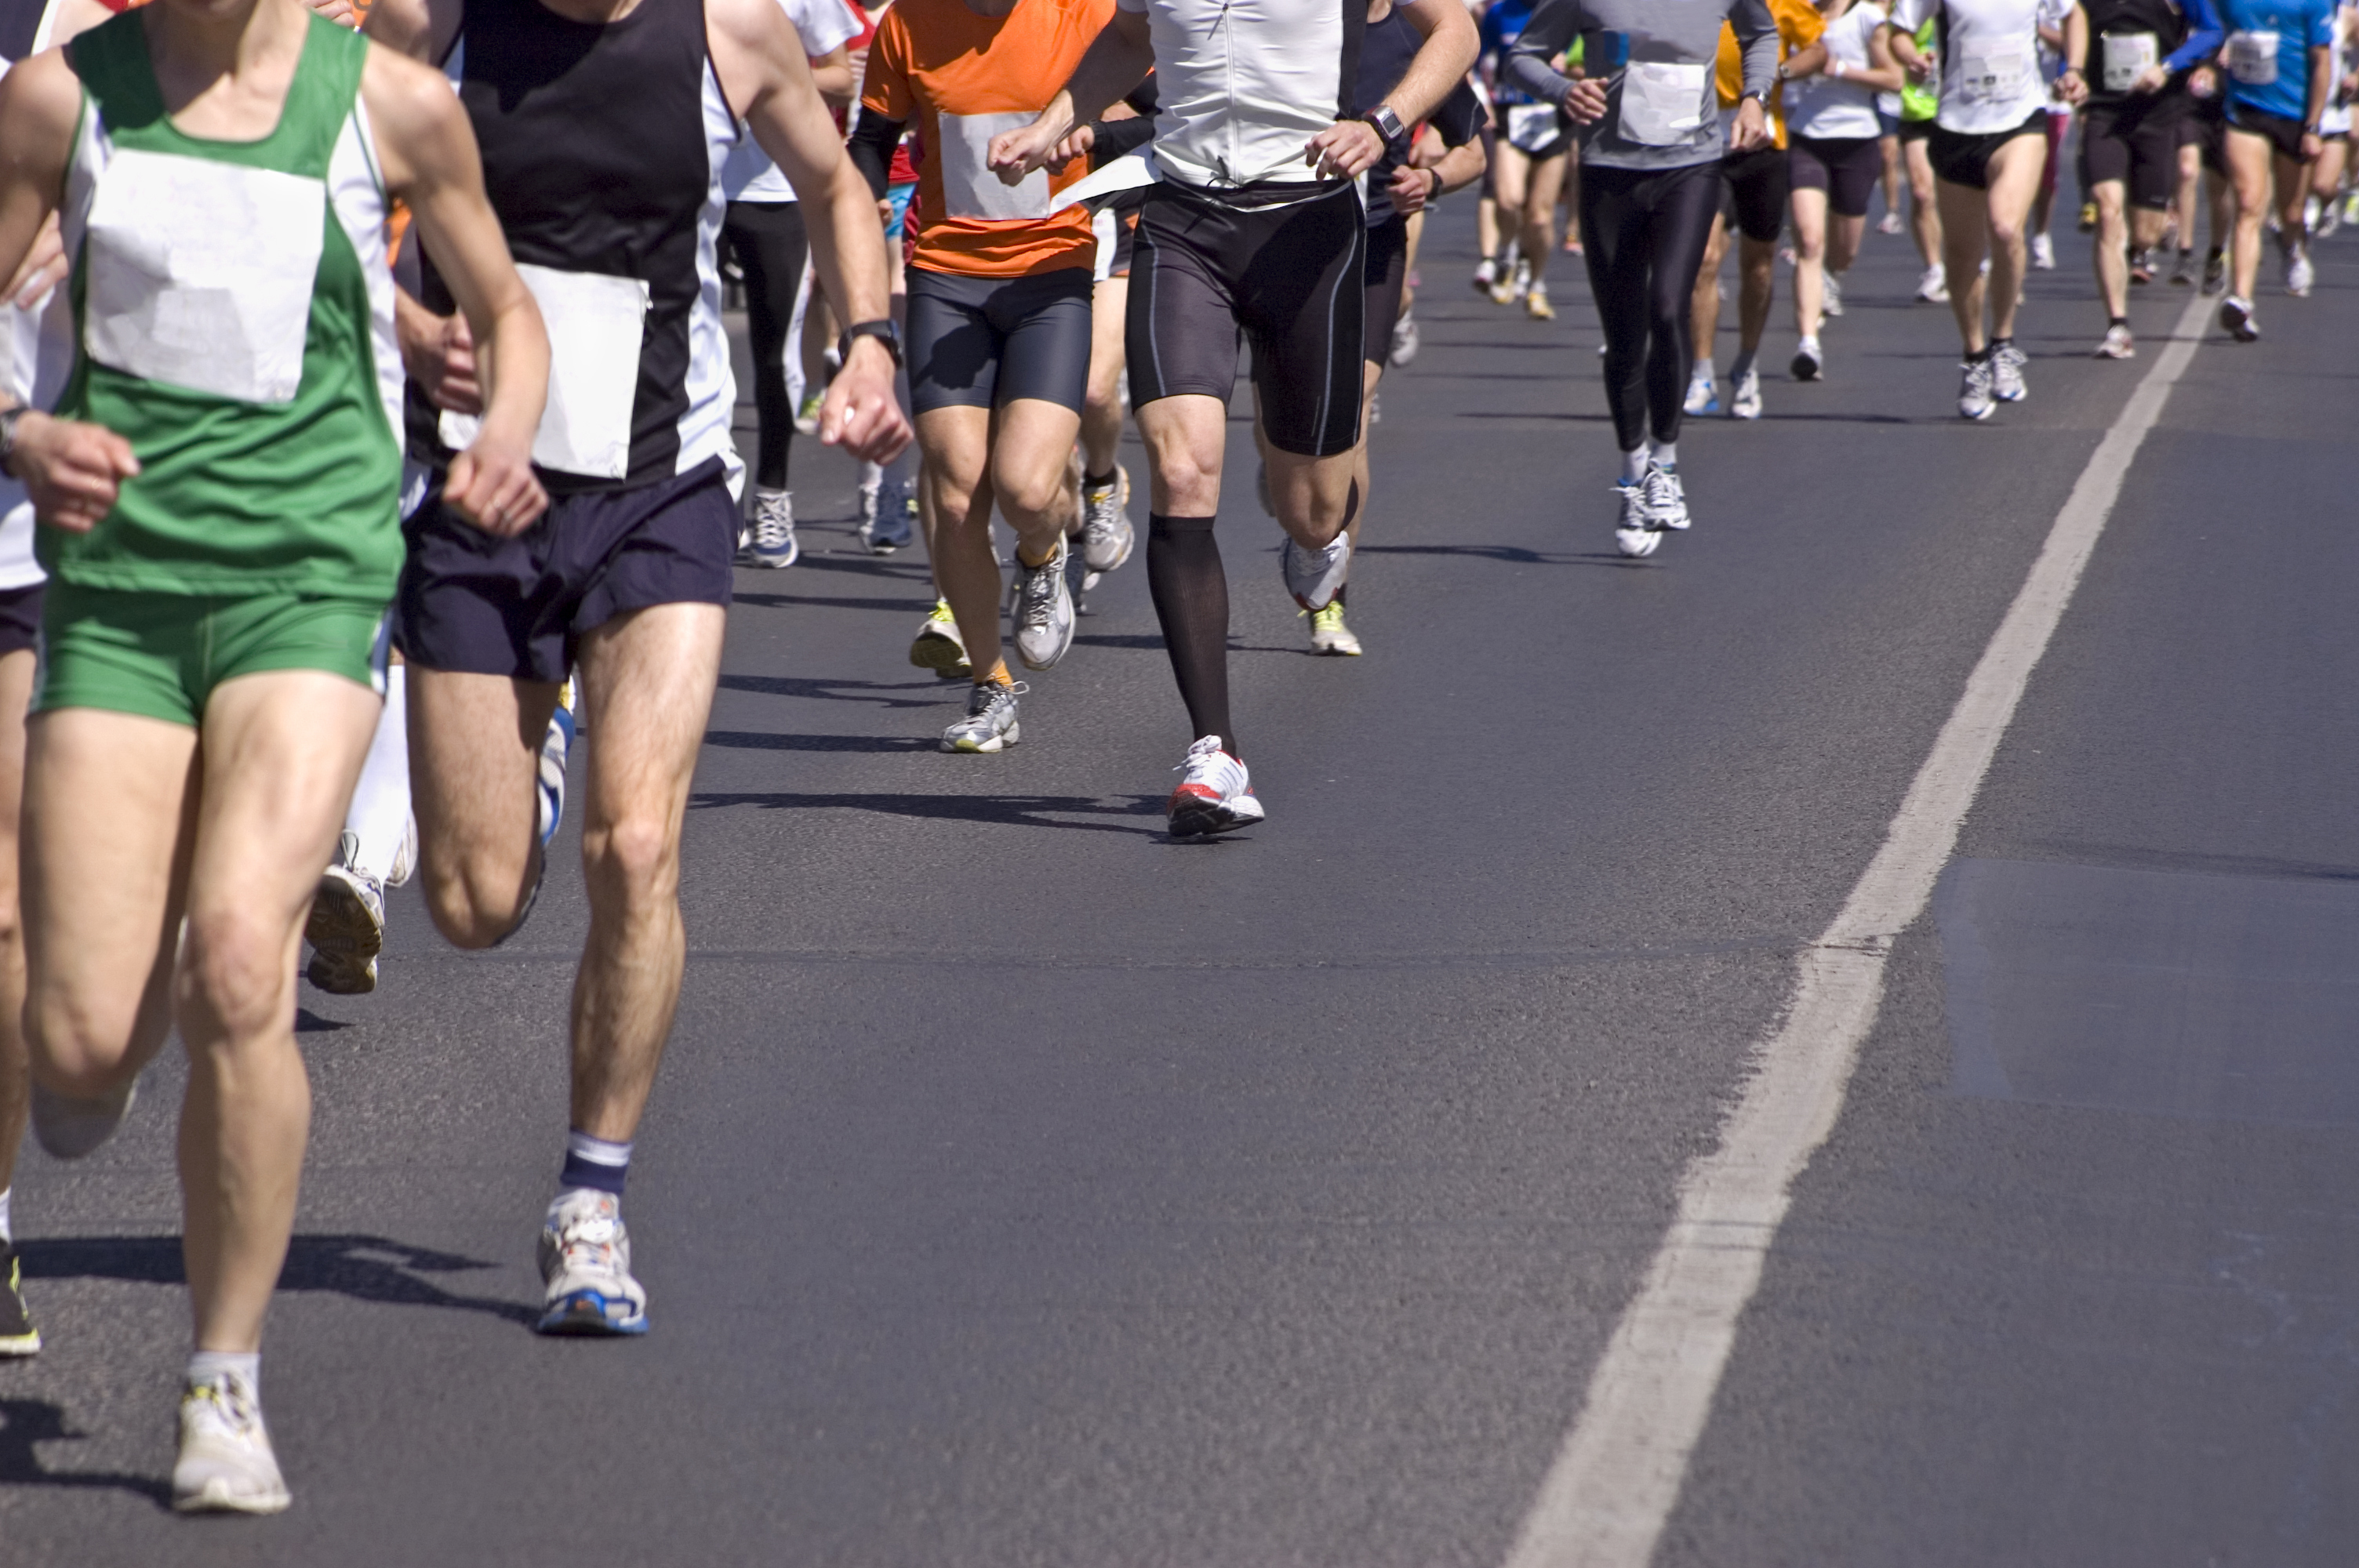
(1920,70)
(1344,149)
(340,11)
(1751,127)
(2069,87)
(45,266)
(1409,190)
(2153,78)
(861,414)
(1077,143)
(2312,146)
(2203,81)
(1017,152)
(1585,101)
(73,470)
(490,484)
(439,354)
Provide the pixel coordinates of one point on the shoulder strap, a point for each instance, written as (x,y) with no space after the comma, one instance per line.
(111,61)
(320,99)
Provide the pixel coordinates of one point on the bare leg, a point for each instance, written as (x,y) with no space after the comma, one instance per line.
(16,689)
(1545,180)
(1964,222)
(1756,288)
(1810,209)
(1924,201)
(2249,157)
(1102,415)
(2110,251)
(1703,304)
(475,759)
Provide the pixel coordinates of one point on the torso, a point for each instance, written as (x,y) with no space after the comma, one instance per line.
(1244,84)
(1825,108)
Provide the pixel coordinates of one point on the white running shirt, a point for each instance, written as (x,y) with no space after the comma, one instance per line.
(1828,108)
(1244,84)
(749,174)
(1990,58)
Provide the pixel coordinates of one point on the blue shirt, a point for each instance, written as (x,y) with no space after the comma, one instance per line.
(2300,26)
(1502,24)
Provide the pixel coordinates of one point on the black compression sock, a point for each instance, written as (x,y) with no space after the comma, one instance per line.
(1098,480)
(1191,589)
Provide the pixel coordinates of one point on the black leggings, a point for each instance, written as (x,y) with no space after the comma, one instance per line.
(766,240)
(1643,233)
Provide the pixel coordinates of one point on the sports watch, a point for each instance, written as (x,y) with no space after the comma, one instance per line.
(883,330)
(1387,123)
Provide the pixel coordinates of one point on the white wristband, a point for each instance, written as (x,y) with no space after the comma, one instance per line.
(1835,67)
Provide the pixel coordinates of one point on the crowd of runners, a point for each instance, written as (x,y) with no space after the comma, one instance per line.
(366,423)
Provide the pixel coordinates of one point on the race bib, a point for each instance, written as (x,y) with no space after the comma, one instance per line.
(1663,105)
(200,274)
(1531,126)
(970,189)
(1991,78)
(2129,55)
(594,322)
(2252,57)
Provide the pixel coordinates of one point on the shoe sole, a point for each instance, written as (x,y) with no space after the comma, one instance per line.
(345,941)
(769,562)
(1977,415)
(16,1347)
(1335,649)
(1644,546)
(942,655)
(217,1499)
(1129,543)
(587,1314)
(997,744)
(1804,368)
(1206,821)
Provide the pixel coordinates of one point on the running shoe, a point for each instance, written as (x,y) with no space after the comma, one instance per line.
(1744,402)
(1328,632)
(990,723)
(1406,340)
(2006,363)
(346,928)
(773,542)
(2237,319)
(1831,304)
(1974,401)
(1933,288)
(2216,271)
(2299,274)
(1107,535)
(1809,363)
(1666,502)
(1890,223)
(2351,207)
(2141,265)
(556,745)
(2329,219)
(2118,344)
(1636,531)
(1703,393)
(2182,272)
(70,1126)
(225,1464)
(1215,794)
(889,518)
(585,1264)
(17,1334)
(938,648)
(2043,253)
(1536,303)
(1313,575)
(1486,272)
(807,416)
(1044,610)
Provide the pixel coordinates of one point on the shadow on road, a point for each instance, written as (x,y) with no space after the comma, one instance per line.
(837,690)
(24,1422)
(756,741)
(365,1267)
(1006,810)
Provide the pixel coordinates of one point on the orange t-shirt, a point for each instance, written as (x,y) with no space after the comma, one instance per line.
(966,78)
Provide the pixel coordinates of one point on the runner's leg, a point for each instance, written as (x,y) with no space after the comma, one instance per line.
(2110,249)
(1809,209)
(1965,222)
(2012,176)
(474,758)
(17,670)
(2249,159)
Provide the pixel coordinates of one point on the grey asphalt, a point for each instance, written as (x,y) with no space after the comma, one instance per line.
(1024,1188)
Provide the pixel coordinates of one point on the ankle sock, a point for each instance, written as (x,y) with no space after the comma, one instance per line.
(209,1364)
(996,676)
(594,1162)
(1634,465)
(1191,589)
(6,1234)
(1663,454)
(1098,481)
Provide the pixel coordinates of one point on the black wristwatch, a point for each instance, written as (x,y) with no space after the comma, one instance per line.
(883,332)
(1433,195)
(8,437)
(1387,123)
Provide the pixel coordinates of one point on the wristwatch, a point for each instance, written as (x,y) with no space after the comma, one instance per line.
(8,419)
(883,332)
(1433,195)
(1387,123)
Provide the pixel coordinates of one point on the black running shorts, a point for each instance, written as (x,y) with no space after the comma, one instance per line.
(1286,279)
(2136,144)
(2284,132)
(1845,167)
(20,617)
(1963,159)
(982,342)
(1758,183)
(520,607)
(2205,125)
(1388,275)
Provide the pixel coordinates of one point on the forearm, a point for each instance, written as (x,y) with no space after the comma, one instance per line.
(1117,61)
(1441,62)
(512,365)
(1460,168)
(1531,65)
(848,246)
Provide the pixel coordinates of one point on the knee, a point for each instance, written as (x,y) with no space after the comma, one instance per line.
(633,859)
(1190,484)
(1032,495)
(474,905)
(2005,233)
(235,970)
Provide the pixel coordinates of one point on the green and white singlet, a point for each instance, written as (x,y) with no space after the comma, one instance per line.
(233,313)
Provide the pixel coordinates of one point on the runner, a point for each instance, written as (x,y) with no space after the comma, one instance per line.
(2133,57)
(2322,212)
(1831,120)
(999,317)
(1254,229)
(1921,100)
(230,588)
(1534,142)
(2278,57)
(1988,145)
(1105,534)
(1651,148)
(630,576)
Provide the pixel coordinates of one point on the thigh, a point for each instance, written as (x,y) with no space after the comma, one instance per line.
(1809,207)
(953,351)
(17,671)
(1030,441)
(1511,174)
(2247,155)
(955,443)
(646,687)
(1046,327)
(1546,182)
(1680,226)
(474,752)
(1179,339)
(1109,304)
(1301,303)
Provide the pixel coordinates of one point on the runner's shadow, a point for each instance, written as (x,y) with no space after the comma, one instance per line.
(836,690)
(365,1268)
(24,1422)
(805,600)
(754,741)
(1003,810)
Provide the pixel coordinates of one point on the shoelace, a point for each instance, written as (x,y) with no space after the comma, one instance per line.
(1039,592)
(1662,488)
(229,1404)
(770,531)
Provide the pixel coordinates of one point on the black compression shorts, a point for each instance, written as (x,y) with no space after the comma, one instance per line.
(1963,159)
(1388,275)
(1758,183)
(20,617)
(2284,132)
(1287,279)
(981,343)
(2134,141)
(1845,167)
(1916,130)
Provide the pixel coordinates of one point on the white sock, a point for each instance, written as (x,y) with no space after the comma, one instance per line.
(246,1364)
(1634,464)
(1811,343)
(1666,454)
(379,816)
(6,1234)
(1704,370)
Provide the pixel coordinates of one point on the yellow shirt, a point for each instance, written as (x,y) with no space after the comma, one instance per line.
(1799,27)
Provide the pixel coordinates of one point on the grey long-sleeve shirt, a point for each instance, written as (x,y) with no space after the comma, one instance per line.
(1671,46)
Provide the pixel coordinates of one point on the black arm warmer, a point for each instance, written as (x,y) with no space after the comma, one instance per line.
(871,147)
(1117,138)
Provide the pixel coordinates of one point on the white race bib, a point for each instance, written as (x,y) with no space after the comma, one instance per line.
(2129,55)
(970,189)
(594,322)
(1991,78)
(200,274)
(1531,126)
(2252,57)
(1663,105)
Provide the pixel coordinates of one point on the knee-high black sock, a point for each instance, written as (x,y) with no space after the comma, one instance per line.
(1191,601)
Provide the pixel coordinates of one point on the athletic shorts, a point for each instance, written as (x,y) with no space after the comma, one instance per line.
(520,607)
(1758,183)
(2205,125)
(2137,144)
(1388,275)
(1845,167)
(2284,132)
(982,342)
(1287,280)
(1886,124)
(1116,227)
(161,656)
(1962,158)
(1916,130)
(20,617)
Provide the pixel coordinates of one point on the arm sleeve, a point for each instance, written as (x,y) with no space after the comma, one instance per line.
(1756,35)
(2204,37)
(1554,24)
(1117,138)
(871,147)
(1142,98)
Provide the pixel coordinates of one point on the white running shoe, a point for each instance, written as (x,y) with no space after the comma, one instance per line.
(1933,288)
(1215,794)
(2043,253)
(1405,341)
(2299,274)
(585,1265)
(1636,531)
(1809,363)
(1974,400)
(1832,304)
(556,745)
(1666,503)
(225,1464)
(1313,575)
(1107,535)
(2236,319)
(1536,303)
(2118,344)
(2006,363)
(1744,402)
(1486,272)
(1044,610)
(1890,223)
(1703,393)
(990,723)
(1328,632)
(938,648)
(773,542)
(346,928)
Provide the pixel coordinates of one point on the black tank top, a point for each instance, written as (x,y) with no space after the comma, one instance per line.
(19,21)
(602,148)
(2163,18)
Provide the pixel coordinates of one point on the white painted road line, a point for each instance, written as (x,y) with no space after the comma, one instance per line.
(1614,1483)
